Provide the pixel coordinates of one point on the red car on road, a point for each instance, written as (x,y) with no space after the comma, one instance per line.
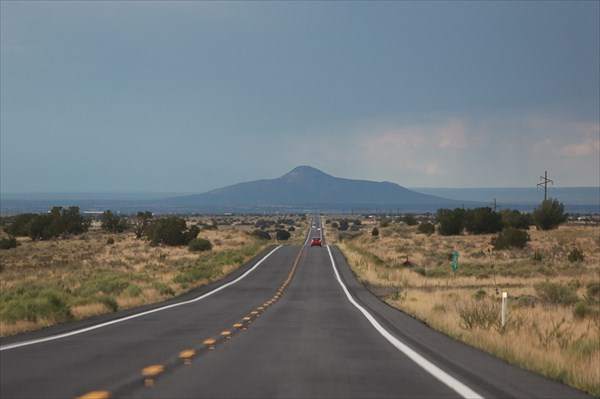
(316,241)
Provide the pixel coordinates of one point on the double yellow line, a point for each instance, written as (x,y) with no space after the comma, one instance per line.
(152,372)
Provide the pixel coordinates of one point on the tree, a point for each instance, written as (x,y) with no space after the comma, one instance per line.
(515,219)
(172,231)
(483,221)
(74,222)
(57,222)
(451,221)
(282,235)
(140,223)
(343,225)
(191,234)
(112,222)
(549,215)
(19,226)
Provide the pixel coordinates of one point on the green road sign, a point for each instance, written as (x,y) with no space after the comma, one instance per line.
(455,260)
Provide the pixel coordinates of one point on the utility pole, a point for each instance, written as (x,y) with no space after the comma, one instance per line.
(544,183)
(495,205)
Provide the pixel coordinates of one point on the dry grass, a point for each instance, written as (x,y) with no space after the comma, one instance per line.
(549,339)
(48,282)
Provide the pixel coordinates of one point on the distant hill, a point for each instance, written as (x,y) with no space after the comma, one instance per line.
(306,189)
(310,187)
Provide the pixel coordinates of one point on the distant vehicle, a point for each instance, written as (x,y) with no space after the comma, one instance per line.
(316,241)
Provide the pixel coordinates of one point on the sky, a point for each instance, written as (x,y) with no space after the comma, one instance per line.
(190,96)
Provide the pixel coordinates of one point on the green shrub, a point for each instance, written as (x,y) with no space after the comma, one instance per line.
(109,302)
(282,235)
(479,294)
(451,222)
(510,238)
(133,291)
(171,231)
(343,226)
(593,292)
(104,282)
(261,235)
(426,228)
(483,221)
(193,275)
(576,255)
(8,242)
(549,215)
(34,303)
(439,308)
(110,241)
(421,270)
(199,245)
(556,293)
(57,222)
(112,222)
(526,301)
(516,219)
(162,288)
(409,220)
(19,225)
(375,232)
(436,272)
(581,310)
(482,314)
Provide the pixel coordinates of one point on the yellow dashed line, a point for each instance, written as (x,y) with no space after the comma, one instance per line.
(210,342)
(186,355)
(95,395)
(151,372)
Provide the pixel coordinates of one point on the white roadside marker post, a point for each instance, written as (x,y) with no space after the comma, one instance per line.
(504,300)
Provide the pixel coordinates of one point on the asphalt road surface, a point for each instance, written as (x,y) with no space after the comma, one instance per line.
(292,323)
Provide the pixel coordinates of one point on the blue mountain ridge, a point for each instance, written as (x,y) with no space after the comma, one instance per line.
(305,185)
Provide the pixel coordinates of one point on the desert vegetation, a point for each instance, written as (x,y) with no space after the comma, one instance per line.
(119,263)
(552,277)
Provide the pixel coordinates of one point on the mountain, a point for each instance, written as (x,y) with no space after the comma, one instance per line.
(309,187)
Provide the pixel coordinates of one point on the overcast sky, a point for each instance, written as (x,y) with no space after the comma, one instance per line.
(191,96)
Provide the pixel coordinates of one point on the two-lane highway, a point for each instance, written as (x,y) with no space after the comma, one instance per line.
(105,357)
(324,336)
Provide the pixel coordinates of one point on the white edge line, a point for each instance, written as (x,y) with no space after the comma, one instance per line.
(134,316)
(431,368)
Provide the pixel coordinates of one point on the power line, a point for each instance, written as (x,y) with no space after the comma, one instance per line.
(544,183)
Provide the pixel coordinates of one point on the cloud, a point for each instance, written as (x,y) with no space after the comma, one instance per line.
(458,151)
(551,136)
(588,147)
(405,153)
(415,147)
(453,134)
(588,140)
